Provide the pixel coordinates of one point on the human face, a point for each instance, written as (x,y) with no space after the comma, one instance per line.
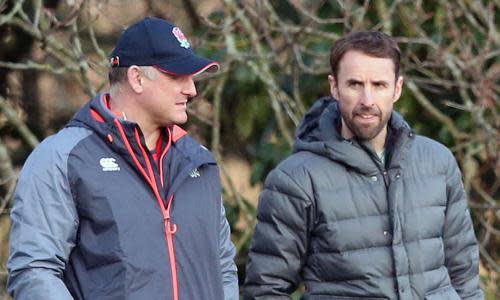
(366,89)
(166,98)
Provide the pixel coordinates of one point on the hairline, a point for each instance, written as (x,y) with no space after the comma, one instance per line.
(384,46)
(396,74)
(149,72)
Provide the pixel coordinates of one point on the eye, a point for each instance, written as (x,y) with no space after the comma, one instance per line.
(176,77)
(380,84)
(354,84)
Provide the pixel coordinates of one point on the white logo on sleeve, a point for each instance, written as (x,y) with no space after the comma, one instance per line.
(109,164)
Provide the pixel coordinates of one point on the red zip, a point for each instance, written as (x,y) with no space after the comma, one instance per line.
(170,228)
(129,149)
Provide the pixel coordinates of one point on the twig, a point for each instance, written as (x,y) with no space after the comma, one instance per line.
(20,126)
(301,10)
(8,17)
(217,112)
(82,62)
(30,65)
(8,175)
(422,99)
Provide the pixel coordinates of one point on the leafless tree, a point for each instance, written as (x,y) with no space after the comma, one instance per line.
(451,64)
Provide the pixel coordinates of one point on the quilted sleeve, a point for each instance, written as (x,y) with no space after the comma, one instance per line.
(280,241)
(461,248)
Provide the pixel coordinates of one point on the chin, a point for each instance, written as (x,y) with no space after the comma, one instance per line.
(181,121)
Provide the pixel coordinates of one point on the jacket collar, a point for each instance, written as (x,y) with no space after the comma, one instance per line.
(319,132)
(96,116)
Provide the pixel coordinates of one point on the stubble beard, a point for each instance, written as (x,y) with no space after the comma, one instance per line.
(365,132)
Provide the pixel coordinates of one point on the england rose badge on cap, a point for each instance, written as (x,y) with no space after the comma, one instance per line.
(156,42)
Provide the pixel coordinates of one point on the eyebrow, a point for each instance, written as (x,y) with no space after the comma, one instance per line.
(352,80)
(383,82)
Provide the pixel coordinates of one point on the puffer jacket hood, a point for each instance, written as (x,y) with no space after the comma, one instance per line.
(319,132)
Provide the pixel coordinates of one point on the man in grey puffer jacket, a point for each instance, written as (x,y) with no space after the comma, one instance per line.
(364,208)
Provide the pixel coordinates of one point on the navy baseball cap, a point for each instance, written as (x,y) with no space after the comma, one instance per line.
(156,42)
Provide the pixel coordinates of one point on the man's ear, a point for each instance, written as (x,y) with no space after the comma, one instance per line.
(398,89)
(333,86)
(134,78)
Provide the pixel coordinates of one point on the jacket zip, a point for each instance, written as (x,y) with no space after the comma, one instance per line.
(170,228)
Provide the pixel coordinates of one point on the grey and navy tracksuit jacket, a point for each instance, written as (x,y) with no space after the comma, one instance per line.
(97,216)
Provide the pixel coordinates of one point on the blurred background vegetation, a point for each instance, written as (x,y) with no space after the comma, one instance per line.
(274,57)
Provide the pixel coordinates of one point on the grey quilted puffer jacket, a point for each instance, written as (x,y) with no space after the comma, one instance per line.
(335,218)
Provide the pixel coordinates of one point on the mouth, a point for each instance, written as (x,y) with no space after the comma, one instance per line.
(365,118)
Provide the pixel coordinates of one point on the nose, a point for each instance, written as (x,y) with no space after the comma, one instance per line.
(367,98)
(189,88)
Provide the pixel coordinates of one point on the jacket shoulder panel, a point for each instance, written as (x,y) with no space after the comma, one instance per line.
(298,168)
(50,159)
(56,148)
(431,157)
(424,143)
(44,219)
(193,149)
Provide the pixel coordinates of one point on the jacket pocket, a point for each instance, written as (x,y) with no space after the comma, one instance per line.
(446,293)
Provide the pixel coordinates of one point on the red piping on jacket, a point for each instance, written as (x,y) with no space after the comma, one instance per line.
(148,163)
(163,155)
(129,149)
(170,228)
(177,133)
(96,116)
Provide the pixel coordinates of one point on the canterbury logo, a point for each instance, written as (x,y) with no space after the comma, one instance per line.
(109,164)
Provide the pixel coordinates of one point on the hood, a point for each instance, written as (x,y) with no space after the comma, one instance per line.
(96,116)
(319,133)
(182,153)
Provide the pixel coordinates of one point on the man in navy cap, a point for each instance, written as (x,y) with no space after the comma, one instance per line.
(122,203)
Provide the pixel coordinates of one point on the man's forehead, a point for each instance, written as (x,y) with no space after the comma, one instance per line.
(356,63)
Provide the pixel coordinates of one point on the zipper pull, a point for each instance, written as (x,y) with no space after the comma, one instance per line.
(172,228)
(169,227)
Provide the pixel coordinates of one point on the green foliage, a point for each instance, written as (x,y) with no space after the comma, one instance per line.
(267,157)
(275,55)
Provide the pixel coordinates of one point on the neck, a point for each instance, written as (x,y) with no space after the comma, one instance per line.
(378,142)
(124,106)
(151,138)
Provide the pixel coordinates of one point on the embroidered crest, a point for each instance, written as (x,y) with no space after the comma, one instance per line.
(115,61)
(195,173)
(181,37)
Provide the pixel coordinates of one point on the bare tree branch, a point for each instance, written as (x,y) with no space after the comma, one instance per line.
(19,124)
